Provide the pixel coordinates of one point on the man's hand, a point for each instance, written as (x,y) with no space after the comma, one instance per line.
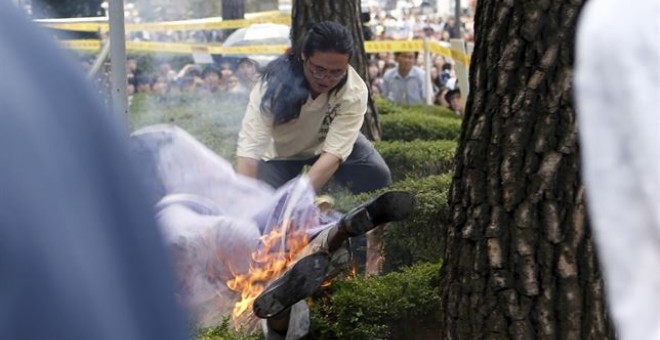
(323,169)
(247,166)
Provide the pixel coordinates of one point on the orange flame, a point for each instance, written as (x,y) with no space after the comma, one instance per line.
(269,262)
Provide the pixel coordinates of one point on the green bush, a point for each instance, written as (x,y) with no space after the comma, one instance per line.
(417,158)
(386,107)
(224,331)
(411,126)
(394,306)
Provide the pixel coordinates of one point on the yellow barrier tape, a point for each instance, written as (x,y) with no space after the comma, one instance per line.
(393,46)
(184,25)
(205,25)
(414,46)
(262,49)
(438,49)
(266,14)
(370,47)
(148,46)
(82,45)
(78,27)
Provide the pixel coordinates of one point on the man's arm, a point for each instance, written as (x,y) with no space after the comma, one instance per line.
(321,171)
(246,166)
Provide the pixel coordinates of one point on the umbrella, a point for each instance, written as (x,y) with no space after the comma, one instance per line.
(259,34)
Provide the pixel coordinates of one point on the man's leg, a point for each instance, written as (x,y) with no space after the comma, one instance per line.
(313,262)
(277,172)
(365,170)
(282,302)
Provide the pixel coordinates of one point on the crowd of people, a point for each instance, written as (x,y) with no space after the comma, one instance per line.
(215,78)
(398,77)
(395,76)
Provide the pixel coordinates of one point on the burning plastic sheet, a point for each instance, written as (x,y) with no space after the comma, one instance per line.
(222,229)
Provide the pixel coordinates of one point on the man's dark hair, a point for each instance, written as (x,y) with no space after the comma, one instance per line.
(287,89)
(397,54)
(211,69)
(451,94)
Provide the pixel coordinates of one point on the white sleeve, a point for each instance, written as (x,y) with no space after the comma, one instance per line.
(255,135)
(618,99)
(345,127)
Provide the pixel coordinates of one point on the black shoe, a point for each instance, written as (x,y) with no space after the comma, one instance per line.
(388,207)
(297,283)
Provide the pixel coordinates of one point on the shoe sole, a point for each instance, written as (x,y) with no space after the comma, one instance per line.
(297,283)
(390,206)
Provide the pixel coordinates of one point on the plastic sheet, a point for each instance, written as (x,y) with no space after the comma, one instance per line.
(212,218)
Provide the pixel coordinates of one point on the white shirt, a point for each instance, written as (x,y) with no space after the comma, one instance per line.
(330,123)
(618,100)
(405,90)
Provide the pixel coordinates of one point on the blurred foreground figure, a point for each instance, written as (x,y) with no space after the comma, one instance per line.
(618,97)
(80,254)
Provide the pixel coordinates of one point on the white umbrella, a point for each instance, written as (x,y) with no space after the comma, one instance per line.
(259,34)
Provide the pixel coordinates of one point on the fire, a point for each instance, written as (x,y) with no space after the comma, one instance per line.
(269,262)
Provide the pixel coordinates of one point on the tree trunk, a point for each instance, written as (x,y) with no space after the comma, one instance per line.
(520,262)
(233,9)
(347,12)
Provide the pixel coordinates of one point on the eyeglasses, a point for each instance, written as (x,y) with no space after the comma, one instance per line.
(319,72)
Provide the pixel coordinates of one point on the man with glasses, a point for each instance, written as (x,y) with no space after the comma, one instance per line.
(307,111)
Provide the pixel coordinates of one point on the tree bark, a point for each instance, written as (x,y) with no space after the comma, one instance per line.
(233,9)
(347,12)
(520,262)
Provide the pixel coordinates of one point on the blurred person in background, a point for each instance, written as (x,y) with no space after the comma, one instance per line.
(439,98)
(374,78)
(142,84)
(405,83)
(617,91)
(212,79)
(453,100)
(80,253)
(247,73)
(160,85)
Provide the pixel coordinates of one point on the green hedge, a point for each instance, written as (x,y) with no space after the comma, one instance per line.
(386,107)
(417,158)
(393,306)
(411,126)
(433,110)
(224,331)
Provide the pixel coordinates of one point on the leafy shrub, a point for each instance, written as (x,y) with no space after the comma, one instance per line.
(411,126)
(394,306)
(432,110)
(417,158)
(386,107)
(224,331)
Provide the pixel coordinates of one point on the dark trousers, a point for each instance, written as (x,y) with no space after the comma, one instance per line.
(363,171)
